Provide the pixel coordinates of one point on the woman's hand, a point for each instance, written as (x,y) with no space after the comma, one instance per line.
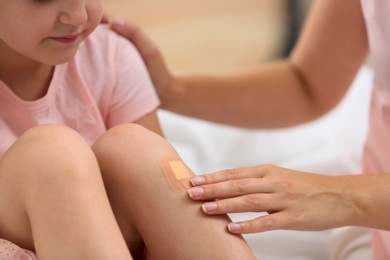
(148,49)
(293,200)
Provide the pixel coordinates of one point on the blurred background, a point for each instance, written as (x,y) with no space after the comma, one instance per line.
(212,35)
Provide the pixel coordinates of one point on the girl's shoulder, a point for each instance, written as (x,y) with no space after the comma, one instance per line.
(104,45)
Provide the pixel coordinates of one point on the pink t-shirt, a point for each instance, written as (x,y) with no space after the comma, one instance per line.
(104,85)
(376,158)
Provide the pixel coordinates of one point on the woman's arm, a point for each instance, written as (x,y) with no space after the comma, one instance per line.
(331,49)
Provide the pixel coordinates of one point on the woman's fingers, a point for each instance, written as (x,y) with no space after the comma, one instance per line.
(260,224)
(236,182)
(283,220)
(231,174)
(229,189)
(133,32)
(248,203)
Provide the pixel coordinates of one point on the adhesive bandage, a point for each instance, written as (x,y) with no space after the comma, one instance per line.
(177,174)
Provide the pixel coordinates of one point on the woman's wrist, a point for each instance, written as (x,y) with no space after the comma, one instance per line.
(367,195)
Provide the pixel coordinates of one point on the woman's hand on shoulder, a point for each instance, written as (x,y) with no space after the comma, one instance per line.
(148,49)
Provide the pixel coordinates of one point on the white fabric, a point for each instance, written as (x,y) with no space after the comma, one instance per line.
(331,145)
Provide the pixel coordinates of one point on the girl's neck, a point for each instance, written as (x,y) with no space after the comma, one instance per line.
(28,79)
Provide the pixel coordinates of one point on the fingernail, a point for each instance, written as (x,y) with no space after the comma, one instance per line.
(116,21)
(198,181)
(209,207)
(196,192)
(234,227)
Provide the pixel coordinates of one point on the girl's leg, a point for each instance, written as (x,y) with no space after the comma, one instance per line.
(52,198)
(171,225)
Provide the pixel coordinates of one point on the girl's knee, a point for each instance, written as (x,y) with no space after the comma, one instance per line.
(124,150)
(47,149)
(50,136)
(127,139)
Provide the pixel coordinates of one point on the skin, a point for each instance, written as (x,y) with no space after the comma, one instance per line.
(27,44)
(52,202)
(63,199)
(91,198)
(128,158)
(305,86)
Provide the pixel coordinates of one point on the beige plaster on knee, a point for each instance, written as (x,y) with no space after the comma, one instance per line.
(176,172)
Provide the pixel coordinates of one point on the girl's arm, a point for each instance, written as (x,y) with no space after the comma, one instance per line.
(151,122)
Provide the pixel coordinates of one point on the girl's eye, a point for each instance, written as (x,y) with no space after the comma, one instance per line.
(41,1)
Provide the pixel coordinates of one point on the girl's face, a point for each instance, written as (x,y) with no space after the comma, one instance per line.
(47,31)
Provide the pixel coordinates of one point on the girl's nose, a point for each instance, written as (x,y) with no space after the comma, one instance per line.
(73,12)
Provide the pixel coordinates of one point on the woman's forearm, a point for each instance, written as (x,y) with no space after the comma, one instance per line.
(269,96)
(370,194)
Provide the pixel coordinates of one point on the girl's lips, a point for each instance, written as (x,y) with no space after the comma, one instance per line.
(66,39)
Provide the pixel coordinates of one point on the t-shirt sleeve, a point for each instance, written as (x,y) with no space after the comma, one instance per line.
(131,94)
